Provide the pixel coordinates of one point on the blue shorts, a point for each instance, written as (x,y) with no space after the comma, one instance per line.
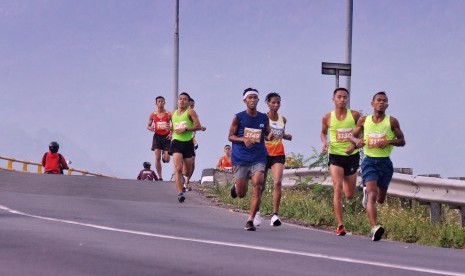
(377,169)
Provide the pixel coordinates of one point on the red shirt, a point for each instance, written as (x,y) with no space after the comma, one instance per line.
(147,174)
(51,162)
(226,163)
(161,123)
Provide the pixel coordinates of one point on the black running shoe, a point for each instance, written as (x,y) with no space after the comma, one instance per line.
(249,226)
(233,191)
(181,197)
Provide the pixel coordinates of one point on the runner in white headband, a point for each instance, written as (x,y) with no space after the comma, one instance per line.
(249,91)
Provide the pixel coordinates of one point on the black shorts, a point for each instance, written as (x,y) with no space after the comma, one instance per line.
(350,163)
(271,160)
(185,148)
(160,142)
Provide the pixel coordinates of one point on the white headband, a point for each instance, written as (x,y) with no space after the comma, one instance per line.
(250,93)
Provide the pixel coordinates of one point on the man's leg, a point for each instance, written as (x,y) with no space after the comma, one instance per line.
(178,165)
(166,156)
(337,175)
(187,170)
(277,172)
(158,163)
(242,186)
(350,182)
(257,186)
(372,190)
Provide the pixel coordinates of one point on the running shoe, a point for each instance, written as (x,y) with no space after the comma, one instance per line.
(257,220)
(249,226)
(341,230)
(184,188)
(365,198)
(181,197)
(160,179)
(275,221)
(376,233)
(233,191)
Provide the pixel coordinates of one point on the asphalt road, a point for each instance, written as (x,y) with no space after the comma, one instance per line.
(82,225)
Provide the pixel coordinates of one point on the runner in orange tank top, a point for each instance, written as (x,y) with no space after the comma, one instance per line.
(225,162)
(276,154)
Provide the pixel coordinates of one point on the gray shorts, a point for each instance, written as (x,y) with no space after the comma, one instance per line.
(241,172)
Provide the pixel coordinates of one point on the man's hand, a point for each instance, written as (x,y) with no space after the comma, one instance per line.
(248,142)
(350,149)
(324,149)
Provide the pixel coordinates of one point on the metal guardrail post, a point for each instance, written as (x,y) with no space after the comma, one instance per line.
(405,202)
(434,207)
(460,209)
(462,216)
(39,169)
(24,167)
(10,165)
(70,171)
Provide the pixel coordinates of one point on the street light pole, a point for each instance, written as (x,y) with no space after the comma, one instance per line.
(350,13)
(176,56)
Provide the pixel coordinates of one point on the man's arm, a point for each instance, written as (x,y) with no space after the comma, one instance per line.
(400,140)
(232,137)
(324,132)
(64,165)
(220,162)
(195,119)
(286,136)
(150,122)
(356,133)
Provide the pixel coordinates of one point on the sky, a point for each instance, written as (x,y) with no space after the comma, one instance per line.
(86,73)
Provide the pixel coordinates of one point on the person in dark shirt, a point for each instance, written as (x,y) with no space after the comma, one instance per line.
(147,173)
(52,161)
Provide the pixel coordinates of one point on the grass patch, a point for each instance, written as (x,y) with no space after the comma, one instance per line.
(312,205)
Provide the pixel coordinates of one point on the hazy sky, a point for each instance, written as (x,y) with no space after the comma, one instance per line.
(86,73)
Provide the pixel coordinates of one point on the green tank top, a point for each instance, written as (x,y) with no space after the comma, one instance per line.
(374,132)
(181,122)
(340,132)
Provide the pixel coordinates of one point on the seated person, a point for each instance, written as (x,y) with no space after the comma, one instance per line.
(147,173)
(52,161)
(225,163)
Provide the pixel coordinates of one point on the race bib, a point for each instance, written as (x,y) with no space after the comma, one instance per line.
(161,125)
(253,134)
(180,125)
(374,138)
(277,133)
(343,134)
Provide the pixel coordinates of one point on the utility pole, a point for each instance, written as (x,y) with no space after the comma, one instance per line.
(350,13)
(176,56)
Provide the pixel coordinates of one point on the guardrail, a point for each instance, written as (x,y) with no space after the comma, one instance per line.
(432,191)
(25,164)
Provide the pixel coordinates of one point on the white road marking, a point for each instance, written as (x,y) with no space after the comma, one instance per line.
(239,245)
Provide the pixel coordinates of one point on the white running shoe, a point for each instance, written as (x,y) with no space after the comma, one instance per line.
(365,198)
(257,219)
(275,221)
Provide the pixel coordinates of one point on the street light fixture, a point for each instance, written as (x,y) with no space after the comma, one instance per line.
(338,69)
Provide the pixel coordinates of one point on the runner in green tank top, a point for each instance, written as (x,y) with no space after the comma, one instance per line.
(381,132)
(342,165)
(188,174)
(184,121)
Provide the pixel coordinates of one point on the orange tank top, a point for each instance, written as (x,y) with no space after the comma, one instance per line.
(226,163)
